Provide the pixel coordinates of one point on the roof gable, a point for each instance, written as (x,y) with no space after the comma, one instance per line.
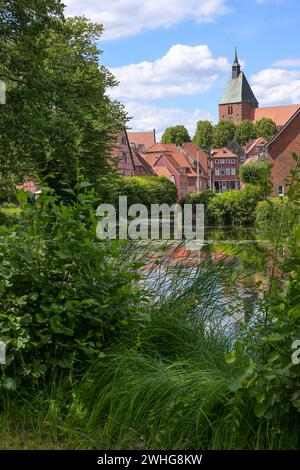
(276,136)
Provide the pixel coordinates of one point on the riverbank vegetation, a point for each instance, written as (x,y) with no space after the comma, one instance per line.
(96,360)
(124,345)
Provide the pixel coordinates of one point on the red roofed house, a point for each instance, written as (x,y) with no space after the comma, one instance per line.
(122,156)
(225,170)
(141,166)
(142,140)
(169,161)
(278,153)
(200,160)
(239,103)
(256,147)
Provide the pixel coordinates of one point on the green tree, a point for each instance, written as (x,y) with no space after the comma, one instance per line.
(58,116)
(203,135)
(223,133)
(176,135)
(244,132)
(259,174)
(265,128)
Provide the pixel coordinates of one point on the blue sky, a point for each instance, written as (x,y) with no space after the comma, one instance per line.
(173,57)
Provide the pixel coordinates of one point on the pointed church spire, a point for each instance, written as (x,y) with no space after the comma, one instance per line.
(236,60)
(236,68)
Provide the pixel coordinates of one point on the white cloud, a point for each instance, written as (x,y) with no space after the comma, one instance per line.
(147,117)
(183,71)
(276,86)
(130,17)
(287,63)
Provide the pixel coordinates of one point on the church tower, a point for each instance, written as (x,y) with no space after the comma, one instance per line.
(238,101)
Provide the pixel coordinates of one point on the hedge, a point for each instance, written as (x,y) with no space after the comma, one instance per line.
(145,190)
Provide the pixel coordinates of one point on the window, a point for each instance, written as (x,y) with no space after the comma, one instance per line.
(124,156)
(227,171)
(233,171)
(230,110)
(123,140)
(227,161)
(280,190)
(222,171)
(217,162)
(224,185)
(233,161)
(222,161)
(217,172)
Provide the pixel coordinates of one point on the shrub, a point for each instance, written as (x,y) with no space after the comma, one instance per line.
(235,207)
(272,210)
(203,197)
(63,296)
(7,189)
(267,361)
(259,174)
(145,190)
(9,214)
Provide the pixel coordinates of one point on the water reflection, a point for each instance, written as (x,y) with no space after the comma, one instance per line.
(240,258)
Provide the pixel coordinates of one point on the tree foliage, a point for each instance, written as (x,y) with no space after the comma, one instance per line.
(265,128)
(145,190)
(257,173)
(176,135)
(235,207)
(203,135)
(223,133)
(244,132)
(58,117)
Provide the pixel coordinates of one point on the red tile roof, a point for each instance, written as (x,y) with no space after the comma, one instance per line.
(163,171)
(139,161)
(279,114)
(195,152)
(255,143)
(152,158)
(284,127)
(175,157)
(223,153)
(180,162)
(142,138)
(253,159)
(162,148)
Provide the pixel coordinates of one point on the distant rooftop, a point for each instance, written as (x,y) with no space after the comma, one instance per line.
(147,138)
(279,114)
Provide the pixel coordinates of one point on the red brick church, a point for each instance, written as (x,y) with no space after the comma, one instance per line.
(239,103)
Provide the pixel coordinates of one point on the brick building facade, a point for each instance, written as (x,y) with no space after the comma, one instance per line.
(225,170)
(122,155)
(279,151)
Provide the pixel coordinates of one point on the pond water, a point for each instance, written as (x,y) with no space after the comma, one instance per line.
(237,259)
